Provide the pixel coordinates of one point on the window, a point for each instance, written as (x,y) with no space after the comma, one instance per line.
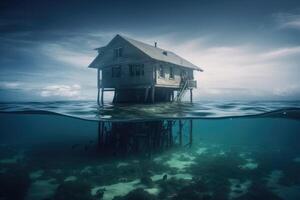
(171,72)
(118,52)
(116,71)
(161,72)
(136,70)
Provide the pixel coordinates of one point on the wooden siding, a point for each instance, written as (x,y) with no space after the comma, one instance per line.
(125,80)
(167,81)
(130,54)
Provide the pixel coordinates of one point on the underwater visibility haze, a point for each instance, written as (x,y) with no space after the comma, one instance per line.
(70,150)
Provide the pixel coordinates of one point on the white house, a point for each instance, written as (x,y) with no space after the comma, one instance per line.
(139,72)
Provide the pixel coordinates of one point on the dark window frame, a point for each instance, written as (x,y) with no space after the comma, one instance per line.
(172,76)
(136,70)
(161,72)
(118,52)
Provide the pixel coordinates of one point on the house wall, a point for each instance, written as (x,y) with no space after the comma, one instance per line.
(148,79)
(125,80)
(167,81)
(130,53)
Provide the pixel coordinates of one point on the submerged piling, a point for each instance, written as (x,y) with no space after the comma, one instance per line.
(147,137)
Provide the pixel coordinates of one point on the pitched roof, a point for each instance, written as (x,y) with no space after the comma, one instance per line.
(153,52)
(161,54)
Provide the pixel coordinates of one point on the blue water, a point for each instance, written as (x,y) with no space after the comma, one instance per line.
(204,109)
(239,150)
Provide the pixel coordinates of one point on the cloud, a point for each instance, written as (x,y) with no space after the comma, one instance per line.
(281,52)
(61,91)
(288,20)
(67,55)
(239,71)
(287,90)
(10,85)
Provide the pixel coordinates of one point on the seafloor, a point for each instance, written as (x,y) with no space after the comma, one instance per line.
(206,171)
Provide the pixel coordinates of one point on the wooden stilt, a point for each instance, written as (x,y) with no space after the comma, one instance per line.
(98,100)
(98,86)
(191,95)
(146,94)
(114,98)
(180,132)
(170,136)
(152,94)
(99,134)
(102,94)
(191,133)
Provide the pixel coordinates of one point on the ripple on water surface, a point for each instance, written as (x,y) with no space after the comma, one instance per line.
(90,111)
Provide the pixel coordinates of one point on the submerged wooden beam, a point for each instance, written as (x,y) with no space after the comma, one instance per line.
(180,132)
(170,134)
(191,133)
(101,133)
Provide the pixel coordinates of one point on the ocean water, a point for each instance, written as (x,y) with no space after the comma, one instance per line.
(75,150)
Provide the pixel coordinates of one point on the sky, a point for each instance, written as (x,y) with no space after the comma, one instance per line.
(249,50)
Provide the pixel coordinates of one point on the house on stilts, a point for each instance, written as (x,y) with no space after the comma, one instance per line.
(142,73)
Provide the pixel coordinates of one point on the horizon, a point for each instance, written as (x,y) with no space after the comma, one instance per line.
(250,51)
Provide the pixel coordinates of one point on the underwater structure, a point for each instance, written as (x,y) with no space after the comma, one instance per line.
(141,73)
(143,137)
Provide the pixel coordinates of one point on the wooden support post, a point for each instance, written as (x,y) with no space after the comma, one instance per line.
(172,95)
(191,133)
(191,95)
(99,134)
(115,96)
(146,94)
(102,94)
(170,139)
(98,86)
(153,94)
(180,132)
